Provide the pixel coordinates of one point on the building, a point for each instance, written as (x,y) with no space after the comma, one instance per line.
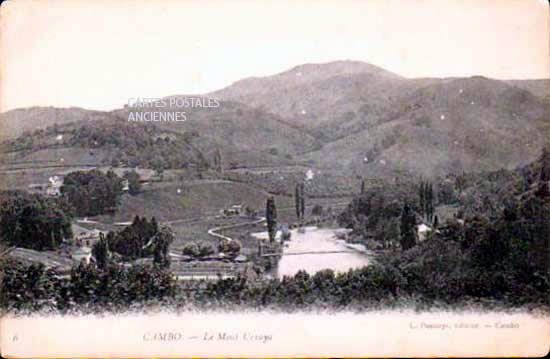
(52,188)
(82,254)
(38,187)
(125,185)
(241,258)
(84,237)
(423,231)
(234,210)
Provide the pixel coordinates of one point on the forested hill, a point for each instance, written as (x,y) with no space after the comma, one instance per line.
(373,122)
(347,116)
(113,141)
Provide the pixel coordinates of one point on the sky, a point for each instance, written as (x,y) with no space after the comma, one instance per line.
(99,54)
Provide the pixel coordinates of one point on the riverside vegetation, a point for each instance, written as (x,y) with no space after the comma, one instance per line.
(432,153)
(493,254)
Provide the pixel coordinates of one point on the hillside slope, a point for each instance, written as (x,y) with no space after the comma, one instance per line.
(539,88)
(472,124)
(245,135)
(311,94)
(346,115)
(16,122)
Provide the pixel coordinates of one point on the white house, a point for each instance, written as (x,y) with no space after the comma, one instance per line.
(423,231)
(236,210)
(84,237)
(82,254)
(125,185)
(54,188)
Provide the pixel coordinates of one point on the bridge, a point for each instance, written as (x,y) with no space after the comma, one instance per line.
(274,254)
(315,252)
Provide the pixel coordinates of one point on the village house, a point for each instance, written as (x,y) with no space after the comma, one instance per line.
(84,237)
(423,231)
(125,185)
(52,188)
(234,210)
(38,187)
(82,254)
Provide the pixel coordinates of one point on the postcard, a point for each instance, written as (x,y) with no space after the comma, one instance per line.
(274,178)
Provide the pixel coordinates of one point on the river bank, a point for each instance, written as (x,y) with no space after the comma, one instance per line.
(316,249)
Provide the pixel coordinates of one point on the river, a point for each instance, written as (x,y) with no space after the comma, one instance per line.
(315,243)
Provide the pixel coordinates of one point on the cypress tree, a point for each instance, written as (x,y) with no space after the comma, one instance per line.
(408,223)
(161,254)
(545,164)
(297,201)
(271,218)
(429,202)
(154,225)
(100,251)
(422,198)
(302,200)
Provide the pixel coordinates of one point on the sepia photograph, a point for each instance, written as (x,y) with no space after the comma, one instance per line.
(274,178)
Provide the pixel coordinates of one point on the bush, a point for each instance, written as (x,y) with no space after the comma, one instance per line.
(191,250)
(205,250)
(231,248)
(33,220)
(92,192)
(31,288)
(317,210)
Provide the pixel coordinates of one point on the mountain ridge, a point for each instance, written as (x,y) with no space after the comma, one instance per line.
(336,114)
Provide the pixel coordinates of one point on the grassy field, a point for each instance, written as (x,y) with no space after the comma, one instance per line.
(194,200)
(189,205)
(197,231)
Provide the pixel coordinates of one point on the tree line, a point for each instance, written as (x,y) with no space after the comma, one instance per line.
(92,192)
(34,221)
(141,239)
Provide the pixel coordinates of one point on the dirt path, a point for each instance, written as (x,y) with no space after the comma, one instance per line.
(212,231)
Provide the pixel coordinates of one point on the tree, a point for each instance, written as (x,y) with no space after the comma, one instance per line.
(302,200)
(408,228)
(426,199)
(545,164)
(159,165)
(285,234)
(422,198)
(299,200)
(100,251)
(430,202)
(34,221)
(137,240)
(218,161)
(191,250)
(134,181)
(154,225)
(543,190)
(205,250)
(231,248)
(162,241)
(92,192)
(317,210)
(271,218)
